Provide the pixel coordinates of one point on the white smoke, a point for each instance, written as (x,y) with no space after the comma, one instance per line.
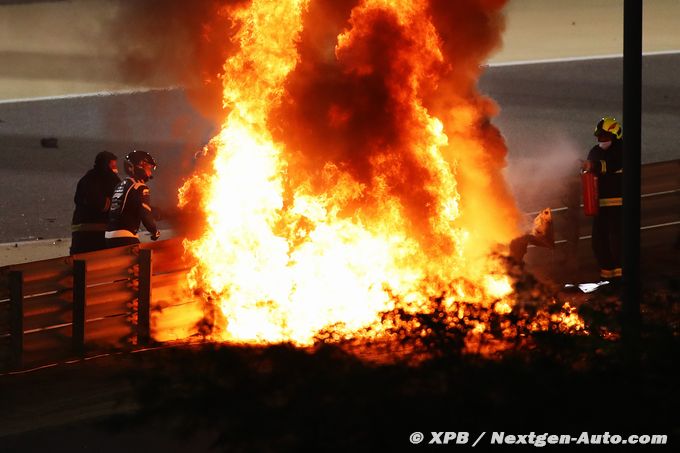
(550,178)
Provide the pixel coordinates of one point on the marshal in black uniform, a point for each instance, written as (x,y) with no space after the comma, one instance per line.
(606,160)
(131,203)
(92,200)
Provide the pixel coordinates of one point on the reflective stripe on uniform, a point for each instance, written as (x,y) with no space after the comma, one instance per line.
(604,166)
(146,206)
(611,273)
(88,227)
(120,234)
(619,171)
(611,201)
(122,207)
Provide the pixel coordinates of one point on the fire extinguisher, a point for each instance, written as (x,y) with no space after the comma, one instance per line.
(591,197)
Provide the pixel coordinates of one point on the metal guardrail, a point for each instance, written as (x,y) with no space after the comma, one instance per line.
(131,296)
(111,299)
(660,195)
(660,225)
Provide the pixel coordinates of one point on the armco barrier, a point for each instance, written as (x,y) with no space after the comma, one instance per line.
(112,299)
(72,306)
(660,222)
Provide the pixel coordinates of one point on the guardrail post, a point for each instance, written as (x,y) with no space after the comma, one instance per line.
(16,300)
(79,303)
(144,297)
(632,162)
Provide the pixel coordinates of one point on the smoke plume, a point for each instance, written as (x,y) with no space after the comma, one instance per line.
(365,80)
(175,42)
(350,101)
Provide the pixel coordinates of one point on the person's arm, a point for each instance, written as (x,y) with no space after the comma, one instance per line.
(97,200)
(147,218)
(93,195)
(108,188)
(608,162)
(594,163)
(78,198)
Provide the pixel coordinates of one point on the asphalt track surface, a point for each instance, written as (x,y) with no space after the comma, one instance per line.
(547,114)
(541,104)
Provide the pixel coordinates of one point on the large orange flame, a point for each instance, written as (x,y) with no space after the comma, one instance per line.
(324,210)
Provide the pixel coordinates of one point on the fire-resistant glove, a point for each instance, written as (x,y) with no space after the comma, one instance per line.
(155,235)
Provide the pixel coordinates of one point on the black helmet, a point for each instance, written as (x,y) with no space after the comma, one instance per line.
(134,161)
(137,156)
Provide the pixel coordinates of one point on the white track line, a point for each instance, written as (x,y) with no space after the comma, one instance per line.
(87,95)
(644,195)
(576,59)
(166,233)
(489,65)
(649,227)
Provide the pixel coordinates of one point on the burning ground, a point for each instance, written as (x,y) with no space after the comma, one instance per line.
(284,398)
(221,397)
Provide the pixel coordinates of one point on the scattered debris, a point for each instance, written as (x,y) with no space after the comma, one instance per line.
(49,142)
(587,287)
(542,235)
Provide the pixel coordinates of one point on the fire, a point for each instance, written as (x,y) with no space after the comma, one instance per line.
(302,238)
(569,318)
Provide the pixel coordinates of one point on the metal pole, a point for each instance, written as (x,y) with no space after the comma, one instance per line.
(144,297)
(632,161)
(79,303)
(16,302)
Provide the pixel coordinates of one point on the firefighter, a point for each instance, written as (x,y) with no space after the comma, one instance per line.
(131,204)
(92,200)
(606,161)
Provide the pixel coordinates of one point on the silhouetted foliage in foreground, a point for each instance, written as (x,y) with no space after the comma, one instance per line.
(329,398)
